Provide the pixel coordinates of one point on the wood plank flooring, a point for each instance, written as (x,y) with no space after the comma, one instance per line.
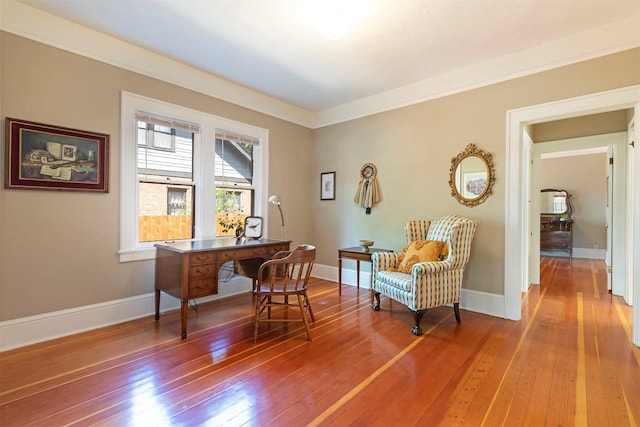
(568,362)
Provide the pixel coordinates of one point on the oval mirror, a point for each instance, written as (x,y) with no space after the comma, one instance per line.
(555,203)
(471,176)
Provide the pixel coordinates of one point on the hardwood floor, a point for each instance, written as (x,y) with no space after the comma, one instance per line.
(569,361)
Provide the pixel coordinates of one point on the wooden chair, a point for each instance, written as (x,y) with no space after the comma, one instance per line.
(287,274)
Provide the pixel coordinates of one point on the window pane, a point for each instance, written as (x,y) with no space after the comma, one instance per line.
(177,201)
(165,187)
(234,162)
(176,164)
(163,140)
(165,212)
(233,205)
(142,133)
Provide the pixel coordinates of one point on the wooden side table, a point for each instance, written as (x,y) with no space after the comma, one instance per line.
(359,254)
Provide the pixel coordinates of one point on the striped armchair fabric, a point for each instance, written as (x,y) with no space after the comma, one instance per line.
(430,284)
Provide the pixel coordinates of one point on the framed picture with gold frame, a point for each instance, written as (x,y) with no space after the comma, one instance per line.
(47,157)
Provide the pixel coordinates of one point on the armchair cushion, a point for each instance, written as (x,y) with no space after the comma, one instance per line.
(420,251)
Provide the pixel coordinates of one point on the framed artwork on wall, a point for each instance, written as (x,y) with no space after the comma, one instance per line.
(328,186)
(47,157)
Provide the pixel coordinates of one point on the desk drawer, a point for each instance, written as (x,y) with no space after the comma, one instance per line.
(202,258)
(244,254)
(204,270)
(555,240)
(203,287)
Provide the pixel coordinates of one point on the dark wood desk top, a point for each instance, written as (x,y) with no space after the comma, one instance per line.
(222,244)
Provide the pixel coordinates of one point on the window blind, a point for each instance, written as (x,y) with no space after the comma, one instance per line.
(236,137)
(167,122)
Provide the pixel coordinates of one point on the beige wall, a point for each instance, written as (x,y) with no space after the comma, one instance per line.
(413,146)
(585,178)
(594,124)
(44,266)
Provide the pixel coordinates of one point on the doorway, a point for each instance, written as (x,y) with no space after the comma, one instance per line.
(518,188)
(582,166)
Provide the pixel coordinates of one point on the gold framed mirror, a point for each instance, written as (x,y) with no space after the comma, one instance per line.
(472,176)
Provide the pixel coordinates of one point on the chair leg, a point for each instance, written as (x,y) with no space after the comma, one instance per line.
(456,310)
(417,330)
(304,316)
(256,321)
(376,304)
(308,304)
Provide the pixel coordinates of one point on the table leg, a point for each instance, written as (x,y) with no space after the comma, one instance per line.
(358,273)
(339,275)
(184,312)
(157,304)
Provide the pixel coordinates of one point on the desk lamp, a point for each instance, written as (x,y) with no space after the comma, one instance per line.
(276,200)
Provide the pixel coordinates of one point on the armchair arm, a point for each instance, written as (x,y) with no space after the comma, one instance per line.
(430,267)
(383,260)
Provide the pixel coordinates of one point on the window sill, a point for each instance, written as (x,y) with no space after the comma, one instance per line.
(137,254)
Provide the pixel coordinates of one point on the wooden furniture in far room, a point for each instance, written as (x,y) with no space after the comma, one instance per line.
(556,225)
(359,254)
(189,269)
(556,235)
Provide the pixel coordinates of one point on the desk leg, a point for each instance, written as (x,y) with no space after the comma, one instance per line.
(184,312)
(157,304)
(358,273)
(339,275)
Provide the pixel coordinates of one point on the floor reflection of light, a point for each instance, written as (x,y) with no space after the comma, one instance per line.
(219,350)
(145,408)
(236,414)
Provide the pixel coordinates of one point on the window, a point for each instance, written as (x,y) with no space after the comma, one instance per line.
(165,179)
(156,136)
(180,170)
(177,203)
(234,181)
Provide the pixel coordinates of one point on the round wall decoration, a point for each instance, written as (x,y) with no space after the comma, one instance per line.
(368,191)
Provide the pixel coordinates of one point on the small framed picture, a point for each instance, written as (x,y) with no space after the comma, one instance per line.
(328,186)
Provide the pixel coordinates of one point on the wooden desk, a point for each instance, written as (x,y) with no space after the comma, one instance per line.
(189,269)
(359,254)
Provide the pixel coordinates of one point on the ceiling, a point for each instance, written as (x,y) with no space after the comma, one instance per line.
(272,47)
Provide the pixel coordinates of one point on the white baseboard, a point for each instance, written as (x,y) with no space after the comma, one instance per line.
(482,302)
(579,253)
(43,327)
(476,301)
(589,253)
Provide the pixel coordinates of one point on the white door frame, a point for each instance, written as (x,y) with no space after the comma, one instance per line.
(517,230)
(612,144)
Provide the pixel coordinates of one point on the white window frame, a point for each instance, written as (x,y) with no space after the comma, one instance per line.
(204,150)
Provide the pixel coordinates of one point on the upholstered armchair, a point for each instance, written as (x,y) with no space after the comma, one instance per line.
(427,284)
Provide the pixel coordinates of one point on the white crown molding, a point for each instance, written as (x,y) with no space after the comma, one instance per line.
(608,39)
(34,24)
(37,25)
